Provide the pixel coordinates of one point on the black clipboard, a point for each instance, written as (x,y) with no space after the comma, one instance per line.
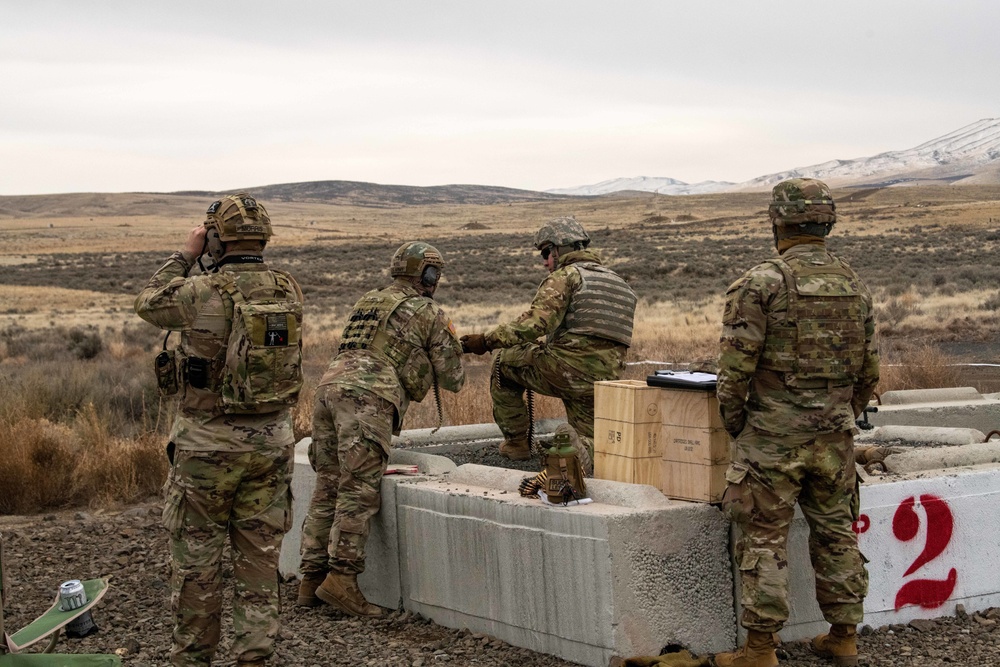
(682,380)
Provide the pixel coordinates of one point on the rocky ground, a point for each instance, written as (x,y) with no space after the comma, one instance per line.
(43,551)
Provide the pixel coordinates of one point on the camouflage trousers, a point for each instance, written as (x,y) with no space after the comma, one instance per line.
(769,474)
(529,367)
(352,434)
(211,496)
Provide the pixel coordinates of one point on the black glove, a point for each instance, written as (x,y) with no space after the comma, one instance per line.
(474,343)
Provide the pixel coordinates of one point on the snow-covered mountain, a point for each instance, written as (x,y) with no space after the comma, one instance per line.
(968,155)
(664,186)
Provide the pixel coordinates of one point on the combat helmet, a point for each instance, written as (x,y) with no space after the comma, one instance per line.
(800,201)
(416,259)
(561,232)
(239,218)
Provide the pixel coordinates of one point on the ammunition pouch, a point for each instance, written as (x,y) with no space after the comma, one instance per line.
(165,368)
(199,372)
(564,477)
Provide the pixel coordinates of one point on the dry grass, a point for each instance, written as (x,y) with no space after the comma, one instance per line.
(57,465)
(917,367)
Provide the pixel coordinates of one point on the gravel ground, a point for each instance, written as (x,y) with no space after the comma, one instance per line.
(41,552)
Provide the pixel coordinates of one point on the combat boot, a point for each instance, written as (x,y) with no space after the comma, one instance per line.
(517,449)
(841,645)
(342,592)
(757,652)
(307,591)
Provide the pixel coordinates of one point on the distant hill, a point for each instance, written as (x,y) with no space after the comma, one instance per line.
(970,155)
(343,193)
(354,193)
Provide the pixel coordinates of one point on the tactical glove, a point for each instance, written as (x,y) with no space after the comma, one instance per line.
(474,343)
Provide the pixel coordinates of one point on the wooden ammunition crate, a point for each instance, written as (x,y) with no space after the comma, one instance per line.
(625,469)
(692,427)
(627,432)
(630,401)
(696,450)
(693,481)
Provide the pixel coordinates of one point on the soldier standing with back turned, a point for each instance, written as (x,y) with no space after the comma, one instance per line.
(237,372)
(576,332)
(397,345)
(798,363)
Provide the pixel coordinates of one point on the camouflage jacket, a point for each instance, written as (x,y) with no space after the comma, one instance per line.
(594,357)
(768,400)
(196,308)
(419,322)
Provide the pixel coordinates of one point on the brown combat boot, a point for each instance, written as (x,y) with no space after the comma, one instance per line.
(757,652)
(841,645)
(307,591)
(518,449)
(342,592)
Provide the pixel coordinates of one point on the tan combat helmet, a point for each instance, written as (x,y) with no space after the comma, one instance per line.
(416,259)
(802,200)
(239,218)
(561,232)
(235,218)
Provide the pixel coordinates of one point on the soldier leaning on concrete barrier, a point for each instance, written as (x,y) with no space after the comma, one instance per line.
(397,344)
(798,362)
(237,371)
(576,332)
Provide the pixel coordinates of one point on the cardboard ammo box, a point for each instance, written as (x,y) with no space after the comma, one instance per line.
(696,449)
(627,432)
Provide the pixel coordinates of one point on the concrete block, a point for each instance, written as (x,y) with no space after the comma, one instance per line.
(936,395)
(624,575)
(939,458)
(961,407)
(931,541)
(380,582)
(921,435)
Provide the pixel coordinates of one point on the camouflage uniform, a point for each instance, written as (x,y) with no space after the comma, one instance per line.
(789,390)
(360,402)
(541,351)
(229,476)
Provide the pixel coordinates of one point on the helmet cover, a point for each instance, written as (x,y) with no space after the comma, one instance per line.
(413,257)
(561,232)
(801,200)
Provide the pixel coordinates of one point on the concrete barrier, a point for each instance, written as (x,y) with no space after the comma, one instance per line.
(624,575)
(381,579)
(930,539)
(961,407)
(634,571)
(920,435)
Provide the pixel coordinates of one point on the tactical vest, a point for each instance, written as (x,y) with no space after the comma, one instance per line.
(248,361)
(822,336)
(366,330)
(604,306)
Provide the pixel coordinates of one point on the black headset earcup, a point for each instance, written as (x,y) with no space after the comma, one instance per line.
(430,276)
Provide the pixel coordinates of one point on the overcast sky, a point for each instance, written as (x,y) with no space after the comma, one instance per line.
(164,96)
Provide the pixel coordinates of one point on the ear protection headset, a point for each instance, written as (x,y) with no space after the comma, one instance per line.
(430,276)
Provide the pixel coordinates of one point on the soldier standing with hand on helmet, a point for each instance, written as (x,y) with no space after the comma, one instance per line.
(576,332)
(798,363)
(238,372)
(397,344)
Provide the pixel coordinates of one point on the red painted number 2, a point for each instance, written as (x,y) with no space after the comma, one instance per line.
(927,593)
